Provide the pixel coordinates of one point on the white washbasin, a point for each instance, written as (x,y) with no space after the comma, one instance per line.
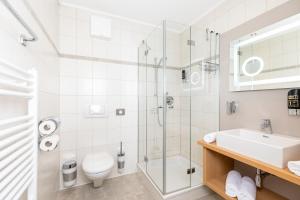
(273,149)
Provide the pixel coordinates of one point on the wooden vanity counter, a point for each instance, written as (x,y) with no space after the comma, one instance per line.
(218,161)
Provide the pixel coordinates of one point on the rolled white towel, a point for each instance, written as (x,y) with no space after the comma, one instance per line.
(233,183)
(210,137)
(247,189)
(294,166)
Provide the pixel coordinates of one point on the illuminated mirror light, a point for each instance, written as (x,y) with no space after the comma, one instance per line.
(253,66)
(273,31)
(195,78)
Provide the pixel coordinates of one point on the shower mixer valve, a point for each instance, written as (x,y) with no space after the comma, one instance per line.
(170,101)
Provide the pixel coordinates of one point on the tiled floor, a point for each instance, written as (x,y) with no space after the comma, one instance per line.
(129,187)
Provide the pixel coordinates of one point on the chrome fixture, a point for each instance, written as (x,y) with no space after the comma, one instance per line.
(170,102)
(260,175)
(23,39)
(211,64)
(266,124)
(231,107)
(158,107)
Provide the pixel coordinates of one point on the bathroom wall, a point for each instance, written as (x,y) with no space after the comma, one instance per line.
(110,80)
(41,56)
(253,105)
(97,71)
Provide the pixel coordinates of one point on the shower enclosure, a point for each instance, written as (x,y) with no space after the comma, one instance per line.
(178,103)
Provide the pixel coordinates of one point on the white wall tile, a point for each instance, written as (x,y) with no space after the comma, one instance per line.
(129,88)
(84,47)
(69,123)
(129,103)
(100,70)
(129,73)
(85,69)
(68,141)
(114,71)
(67,26)
(114,87)
(65,11)
(68,86)
(99,48)
(114,102)
(68,67)
(68,104)
(85,86)
(83,29)
(100,87)
(129,134)
(83,104)
(84,139)
(67,44)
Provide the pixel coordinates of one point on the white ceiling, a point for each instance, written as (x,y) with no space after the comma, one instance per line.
(151,11)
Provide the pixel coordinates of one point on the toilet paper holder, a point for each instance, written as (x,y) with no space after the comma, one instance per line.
(46,127)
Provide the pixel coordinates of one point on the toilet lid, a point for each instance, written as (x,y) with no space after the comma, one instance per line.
(97,162)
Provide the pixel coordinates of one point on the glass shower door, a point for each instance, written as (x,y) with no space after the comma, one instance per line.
(154,99)
(177,108)
(178,103)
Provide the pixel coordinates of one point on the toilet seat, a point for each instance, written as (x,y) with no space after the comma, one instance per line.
(97,163)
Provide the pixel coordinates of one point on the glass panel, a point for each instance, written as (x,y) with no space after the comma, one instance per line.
(154,99)
(178,103)
(178,157)
(204,85)
(142,119)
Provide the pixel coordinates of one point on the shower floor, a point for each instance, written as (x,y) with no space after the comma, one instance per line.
(176,173)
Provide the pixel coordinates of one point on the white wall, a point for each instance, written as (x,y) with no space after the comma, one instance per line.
(75,39)
(115,85)
(41,56)
(85,82)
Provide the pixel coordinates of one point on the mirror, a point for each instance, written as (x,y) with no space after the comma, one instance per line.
(268,58)
(253,66)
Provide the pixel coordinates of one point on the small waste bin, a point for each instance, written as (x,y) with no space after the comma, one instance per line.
(69,171)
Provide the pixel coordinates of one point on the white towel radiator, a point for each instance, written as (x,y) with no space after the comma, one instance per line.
(18,135)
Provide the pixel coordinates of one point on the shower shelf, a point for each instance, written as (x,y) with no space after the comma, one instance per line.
(219,161)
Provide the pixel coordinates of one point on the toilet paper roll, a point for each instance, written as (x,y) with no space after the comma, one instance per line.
(47,127)
(49,143)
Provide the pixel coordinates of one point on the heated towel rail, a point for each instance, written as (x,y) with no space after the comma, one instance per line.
(18,135)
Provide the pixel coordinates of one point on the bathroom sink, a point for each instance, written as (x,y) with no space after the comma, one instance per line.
(273,149)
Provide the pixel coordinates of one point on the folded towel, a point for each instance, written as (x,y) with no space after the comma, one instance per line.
(294,166)
(247,189)
(210,137)
(233,183)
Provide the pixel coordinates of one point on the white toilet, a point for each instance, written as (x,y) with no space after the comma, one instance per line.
(97,167)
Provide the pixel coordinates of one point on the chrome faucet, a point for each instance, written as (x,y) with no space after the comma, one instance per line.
(266,124)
